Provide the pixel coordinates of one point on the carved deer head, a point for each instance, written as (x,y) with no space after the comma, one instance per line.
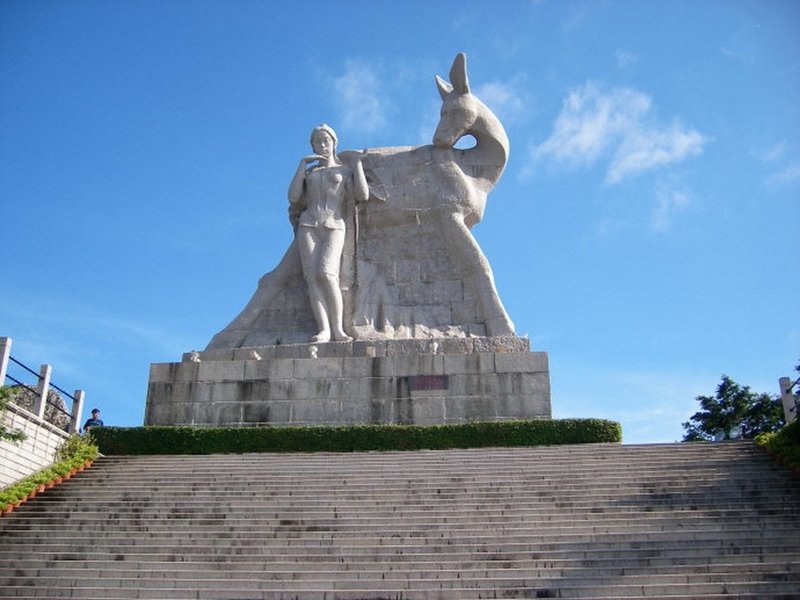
(459,107)
(462,114)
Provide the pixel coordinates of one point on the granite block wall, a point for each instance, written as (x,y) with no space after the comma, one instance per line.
(391,381)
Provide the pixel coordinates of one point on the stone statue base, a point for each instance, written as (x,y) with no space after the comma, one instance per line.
(422,382)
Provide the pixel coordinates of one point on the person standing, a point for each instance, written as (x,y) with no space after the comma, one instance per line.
(94,421)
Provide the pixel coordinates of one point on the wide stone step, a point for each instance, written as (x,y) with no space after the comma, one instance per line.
(506,587)
(433,533)
(475,466)
(640,554)
(269,514)
(602,456)
(111,570)
(439,495)
(472,495)
(657,555)
(437,500)
(378,464)
(596,523)
(293,520)
(452,594)
(624,553)
(409,535)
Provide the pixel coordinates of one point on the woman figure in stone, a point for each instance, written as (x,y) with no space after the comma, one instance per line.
(319,193)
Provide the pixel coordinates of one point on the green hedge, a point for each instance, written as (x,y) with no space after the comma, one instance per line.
(355,438)
(784,444)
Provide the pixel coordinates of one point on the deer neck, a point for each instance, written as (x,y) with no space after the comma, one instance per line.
(487,159)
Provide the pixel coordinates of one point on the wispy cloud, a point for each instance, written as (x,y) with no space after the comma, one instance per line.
(608,227)
(616,125)
(771,153)
(357,91)
(668,203)
(777,159)
(650,404)
(368,100)
(626,60)
(739,54)
(590,122)
(788,175)
(642,149)
(41,321)
(506,99)
(575,16)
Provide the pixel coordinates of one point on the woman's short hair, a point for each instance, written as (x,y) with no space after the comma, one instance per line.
(327,129)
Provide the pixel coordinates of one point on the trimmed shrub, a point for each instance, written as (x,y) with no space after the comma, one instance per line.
(784,444)
(354,438)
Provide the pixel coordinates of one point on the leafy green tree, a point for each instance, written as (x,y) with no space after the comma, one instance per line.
(11,435)
(732,406)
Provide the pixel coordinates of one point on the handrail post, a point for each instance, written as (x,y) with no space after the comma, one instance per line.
(789,404)
(77,409)
(41,389)
(5,354)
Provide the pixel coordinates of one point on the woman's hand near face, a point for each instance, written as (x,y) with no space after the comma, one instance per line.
(311,158)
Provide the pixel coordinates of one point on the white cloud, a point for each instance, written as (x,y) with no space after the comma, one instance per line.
(626,60)
(668,203)
(787,176)
(771,154)
(590,122)
(609,226)
(615,124)
(504,99)
(777,159)
(357,93)
(40,321)
(575,16)
(651,405)
(642,150)
(740,54)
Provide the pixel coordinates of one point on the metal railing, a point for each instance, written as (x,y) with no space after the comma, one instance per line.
(41,391)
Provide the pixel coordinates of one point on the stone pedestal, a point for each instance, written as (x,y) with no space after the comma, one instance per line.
(447,380)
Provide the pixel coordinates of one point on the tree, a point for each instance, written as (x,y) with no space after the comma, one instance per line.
(733,406)
(10,435)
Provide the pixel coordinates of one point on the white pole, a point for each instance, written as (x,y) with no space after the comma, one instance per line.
(77,409)
(5,354)
(789,406)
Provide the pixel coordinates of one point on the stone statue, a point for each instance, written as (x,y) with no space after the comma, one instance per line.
(405,268)
(319,194)
(383,308)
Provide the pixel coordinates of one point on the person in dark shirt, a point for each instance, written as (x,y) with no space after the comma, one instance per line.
(95,421)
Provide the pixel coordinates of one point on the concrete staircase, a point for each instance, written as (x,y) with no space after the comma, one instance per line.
(592,521)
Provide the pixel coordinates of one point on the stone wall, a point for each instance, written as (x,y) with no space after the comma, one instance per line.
(391,381)
(37,451)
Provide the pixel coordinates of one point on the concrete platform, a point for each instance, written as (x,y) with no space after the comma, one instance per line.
(449,380)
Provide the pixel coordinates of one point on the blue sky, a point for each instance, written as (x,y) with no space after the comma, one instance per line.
(644,233)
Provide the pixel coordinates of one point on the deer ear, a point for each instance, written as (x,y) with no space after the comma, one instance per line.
(458,74)
(444,87)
